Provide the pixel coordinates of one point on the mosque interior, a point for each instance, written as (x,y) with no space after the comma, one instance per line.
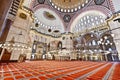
(72,32)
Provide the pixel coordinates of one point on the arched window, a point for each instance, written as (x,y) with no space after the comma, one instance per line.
(90,44)
(110,49)
(108,41)
(93,42)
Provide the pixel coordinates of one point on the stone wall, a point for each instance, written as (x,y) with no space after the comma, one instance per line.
(19,35)
(115,27)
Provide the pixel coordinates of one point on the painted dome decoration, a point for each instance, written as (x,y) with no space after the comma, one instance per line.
(68,5)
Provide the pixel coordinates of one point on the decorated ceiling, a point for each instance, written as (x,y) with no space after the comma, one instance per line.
(68,5)
(54,17)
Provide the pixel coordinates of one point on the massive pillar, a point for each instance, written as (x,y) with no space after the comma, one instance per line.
(4,8)
(4,23)
(4,34)
(114,24)
(67,40)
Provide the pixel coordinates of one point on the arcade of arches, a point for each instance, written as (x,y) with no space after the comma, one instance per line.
(66,30)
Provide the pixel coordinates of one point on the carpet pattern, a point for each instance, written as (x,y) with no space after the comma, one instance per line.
(60,70)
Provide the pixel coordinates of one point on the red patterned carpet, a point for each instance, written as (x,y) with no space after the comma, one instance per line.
(60,70)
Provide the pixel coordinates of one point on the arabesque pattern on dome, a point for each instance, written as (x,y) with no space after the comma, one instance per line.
(68,5)
(71,22)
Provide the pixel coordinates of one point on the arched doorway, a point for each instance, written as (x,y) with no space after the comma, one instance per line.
(59,45)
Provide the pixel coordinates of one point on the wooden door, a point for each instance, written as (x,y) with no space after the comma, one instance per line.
(6,56)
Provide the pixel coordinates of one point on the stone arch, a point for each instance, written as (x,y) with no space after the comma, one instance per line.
(103,10)
(88,37)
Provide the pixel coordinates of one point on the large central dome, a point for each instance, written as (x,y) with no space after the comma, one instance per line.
(68,5)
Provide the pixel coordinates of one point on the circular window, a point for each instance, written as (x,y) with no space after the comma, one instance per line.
(49,30)
(67,18)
